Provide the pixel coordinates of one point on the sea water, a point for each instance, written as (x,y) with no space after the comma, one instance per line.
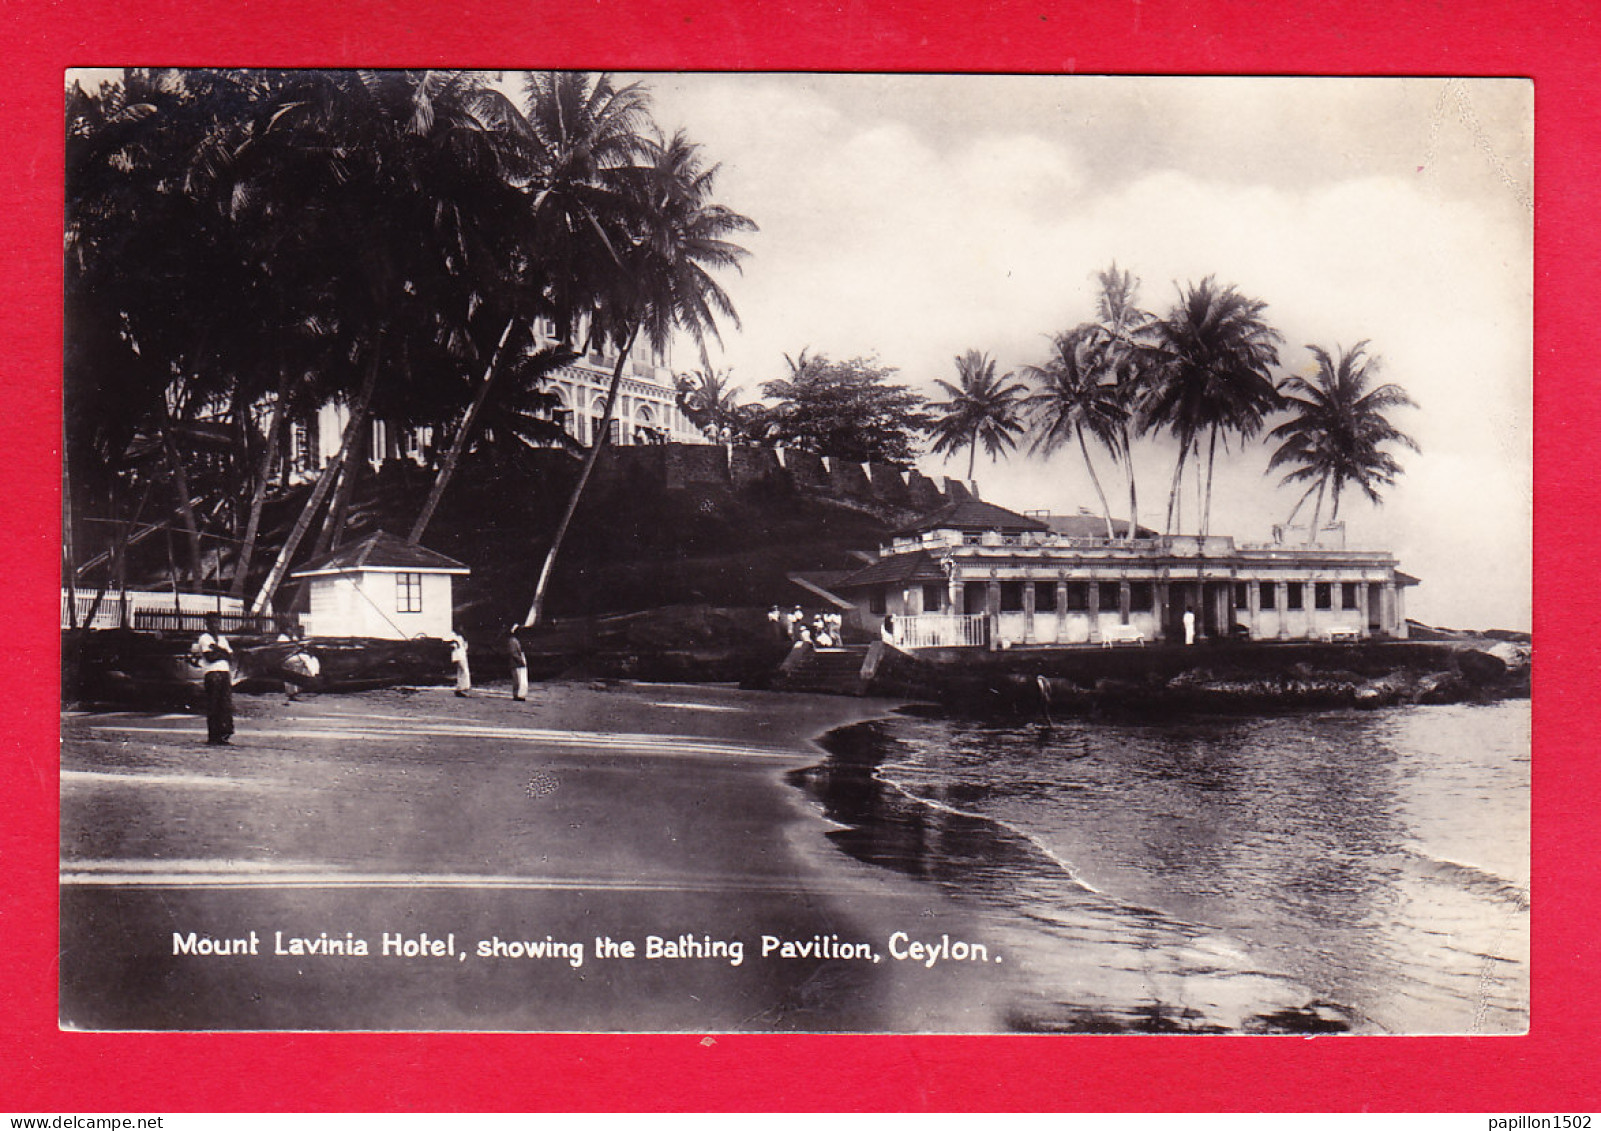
(1336,871)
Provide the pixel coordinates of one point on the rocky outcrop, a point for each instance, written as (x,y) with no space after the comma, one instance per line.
(1242,678)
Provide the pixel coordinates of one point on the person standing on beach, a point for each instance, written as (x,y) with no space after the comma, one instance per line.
(519,665)
(214,655)
(458,656)
(1189,626)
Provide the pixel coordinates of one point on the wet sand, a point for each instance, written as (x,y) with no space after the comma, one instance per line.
(590,812)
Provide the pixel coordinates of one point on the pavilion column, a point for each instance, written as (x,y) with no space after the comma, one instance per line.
(992,608)
(1095,610)
(1363,605)
(1159,608)
(1391,610)
(1124,601)
(1028,611)
(1282,603)
(1061,612)
(1253,605)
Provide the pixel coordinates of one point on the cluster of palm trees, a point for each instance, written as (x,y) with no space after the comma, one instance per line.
(244,246)
(1203,374)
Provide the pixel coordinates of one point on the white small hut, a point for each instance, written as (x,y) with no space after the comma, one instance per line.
(380,587)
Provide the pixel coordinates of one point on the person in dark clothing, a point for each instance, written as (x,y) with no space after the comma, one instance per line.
(215,657)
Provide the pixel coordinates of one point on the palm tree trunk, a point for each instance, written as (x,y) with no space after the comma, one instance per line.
(972,456)
(458,443)
(1317,515)
(333,529)
(258,499)
(1133,498)
(1211,463)
(358,419)
(1300,503)
(536,609)
(1178,479)
(180,482)
(1096,480)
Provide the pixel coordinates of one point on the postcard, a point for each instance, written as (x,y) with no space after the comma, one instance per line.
(577,552)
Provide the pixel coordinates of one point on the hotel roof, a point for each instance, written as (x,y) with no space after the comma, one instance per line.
(973,514)
(897,569)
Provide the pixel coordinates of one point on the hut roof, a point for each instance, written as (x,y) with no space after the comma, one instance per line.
(381,551)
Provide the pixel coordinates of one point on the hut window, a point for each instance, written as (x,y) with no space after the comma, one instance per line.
(1139,597)
(1078,596)
(1242,595)
(1324,594)
(408,592)
(875,601)
(1111,596)
(932,594)
(1348,595)
(1270,595)
(972,538)
(1011,596)
(1045,597)
(1294,595)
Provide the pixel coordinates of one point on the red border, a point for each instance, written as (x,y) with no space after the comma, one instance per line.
(1552,1069)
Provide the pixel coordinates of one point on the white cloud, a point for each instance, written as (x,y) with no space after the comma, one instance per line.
(912,239)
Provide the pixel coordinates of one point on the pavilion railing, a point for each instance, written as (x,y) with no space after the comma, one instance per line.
(941,630)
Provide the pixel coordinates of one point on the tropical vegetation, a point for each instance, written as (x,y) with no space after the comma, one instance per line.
(980,408)
(1338,431)
(244,247)
(1205,374)
(1073,397)
(849,410)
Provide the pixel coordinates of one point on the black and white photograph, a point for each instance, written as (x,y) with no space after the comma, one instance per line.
(608,552)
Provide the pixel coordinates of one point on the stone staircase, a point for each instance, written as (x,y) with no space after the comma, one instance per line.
(826,671)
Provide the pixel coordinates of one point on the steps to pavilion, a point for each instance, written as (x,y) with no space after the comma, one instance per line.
(827,671)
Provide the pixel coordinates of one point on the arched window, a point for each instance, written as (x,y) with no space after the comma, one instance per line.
(597,414)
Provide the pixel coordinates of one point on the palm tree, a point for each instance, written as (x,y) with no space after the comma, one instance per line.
(662,284)
(982,409)
(1217,351)
(1074,397)
(711,402)
(1338,431)
(589,136)
(521,413)
(401,167)
(1125,351)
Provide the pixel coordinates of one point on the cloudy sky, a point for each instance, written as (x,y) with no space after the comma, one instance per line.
(917,217)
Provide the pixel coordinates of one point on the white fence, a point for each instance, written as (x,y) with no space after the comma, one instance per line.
(139,608)
(940,630)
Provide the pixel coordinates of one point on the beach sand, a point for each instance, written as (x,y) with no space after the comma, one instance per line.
(625,811)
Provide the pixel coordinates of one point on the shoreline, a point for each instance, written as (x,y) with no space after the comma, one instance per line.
(699,814)
(680,824)
(1103,964)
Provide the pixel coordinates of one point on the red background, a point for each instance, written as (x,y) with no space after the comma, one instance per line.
(1551,1069)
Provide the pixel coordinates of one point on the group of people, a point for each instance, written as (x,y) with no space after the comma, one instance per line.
(516,661)
(823,630)
(302,671)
